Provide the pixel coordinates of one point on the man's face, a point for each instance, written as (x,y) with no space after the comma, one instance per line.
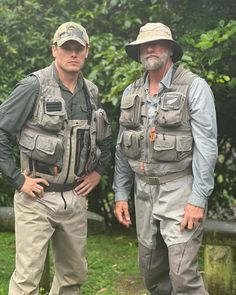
(70,57)
(154,55)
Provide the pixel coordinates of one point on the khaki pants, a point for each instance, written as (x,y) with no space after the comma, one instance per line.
(167,257)
(61,218)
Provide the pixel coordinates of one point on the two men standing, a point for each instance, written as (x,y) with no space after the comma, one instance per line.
(166,147)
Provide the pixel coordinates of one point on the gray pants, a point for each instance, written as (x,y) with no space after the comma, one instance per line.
(168,258)
(38,221)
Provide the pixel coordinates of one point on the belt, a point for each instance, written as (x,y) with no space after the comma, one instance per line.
(157,180)
(60,187)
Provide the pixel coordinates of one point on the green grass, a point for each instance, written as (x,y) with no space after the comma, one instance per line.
(112,264)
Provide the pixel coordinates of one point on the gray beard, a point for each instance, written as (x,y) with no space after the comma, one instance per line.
(153,63)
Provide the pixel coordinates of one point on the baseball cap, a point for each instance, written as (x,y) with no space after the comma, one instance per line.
(71,31)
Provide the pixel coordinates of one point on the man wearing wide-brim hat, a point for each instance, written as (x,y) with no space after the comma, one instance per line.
(167,147)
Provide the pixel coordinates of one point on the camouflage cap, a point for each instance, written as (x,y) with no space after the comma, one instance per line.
(153,32)
(71,31)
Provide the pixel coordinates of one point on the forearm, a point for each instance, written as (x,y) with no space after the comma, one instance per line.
(123,177)
(7,161)
(105,158)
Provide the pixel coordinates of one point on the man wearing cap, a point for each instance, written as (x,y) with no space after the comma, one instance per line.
(64,140)
(167,144)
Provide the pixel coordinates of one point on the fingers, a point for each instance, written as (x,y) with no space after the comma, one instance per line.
(122,213)
(192,216)
(34,186)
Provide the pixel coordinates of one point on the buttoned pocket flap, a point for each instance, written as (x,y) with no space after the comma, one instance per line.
(128,101)
(164,142)
(27,140)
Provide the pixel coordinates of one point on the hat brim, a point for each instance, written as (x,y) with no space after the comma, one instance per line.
(71,38)
(132,49)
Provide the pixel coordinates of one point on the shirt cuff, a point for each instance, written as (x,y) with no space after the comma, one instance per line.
(121,196)
(197,201)
(19,181)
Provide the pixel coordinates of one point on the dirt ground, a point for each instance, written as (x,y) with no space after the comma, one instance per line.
(132,285)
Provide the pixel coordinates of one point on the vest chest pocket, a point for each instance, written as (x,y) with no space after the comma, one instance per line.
(103,127)
(43,148)
(130,111)
(52,113)
(130,144)
(171,109)
(170,148)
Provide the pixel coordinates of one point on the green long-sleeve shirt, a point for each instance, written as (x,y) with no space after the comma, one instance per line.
(19,107)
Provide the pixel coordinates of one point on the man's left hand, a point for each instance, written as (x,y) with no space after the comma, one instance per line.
(192,216)
(88,184)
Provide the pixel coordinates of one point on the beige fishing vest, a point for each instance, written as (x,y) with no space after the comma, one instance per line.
(167,141)
(55,148)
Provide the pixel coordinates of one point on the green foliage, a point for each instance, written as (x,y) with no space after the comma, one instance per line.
(206,29)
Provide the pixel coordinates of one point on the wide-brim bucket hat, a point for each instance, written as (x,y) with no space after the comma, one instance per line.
(153,32)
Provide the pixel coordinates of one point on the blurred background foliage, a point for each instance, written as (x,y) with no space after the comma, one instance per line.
(206,29)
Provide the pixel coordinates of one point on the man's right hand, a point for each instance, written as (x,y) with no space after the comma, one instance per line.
(33,187)
(122,213)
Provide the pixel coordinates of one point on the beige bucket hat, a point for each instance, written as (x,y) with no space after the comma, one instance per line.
(71,31)
(153,32)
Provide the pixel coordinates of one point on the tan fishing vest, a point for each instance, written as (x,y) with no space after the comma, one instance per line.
(168,138)
(55,148)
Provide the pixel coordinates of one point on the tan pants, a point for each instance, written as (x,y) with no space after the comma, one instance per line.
(168,258)
(61,218)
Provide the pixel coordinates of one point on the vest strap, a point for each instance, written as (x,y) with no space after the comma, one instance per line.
(157,180)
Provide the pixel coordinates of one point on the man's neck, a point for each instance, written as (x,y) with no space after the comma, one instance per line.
(69,80)
(156,76)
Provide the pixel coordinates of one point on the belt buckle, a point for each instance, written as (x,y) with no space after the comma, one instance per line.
(154,180)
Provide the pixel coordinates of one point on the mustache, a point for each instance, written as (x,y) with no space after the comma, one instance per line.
(150,56)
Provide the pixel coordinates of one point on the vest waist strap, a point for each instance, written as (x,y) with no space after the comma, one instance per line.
(157,180)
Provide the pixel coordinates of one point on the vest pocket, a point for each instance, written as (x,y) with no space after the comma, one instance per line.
(130,111)
(130,144)
(103,127)
(171,109)
(170,148)
(52,113)
(44,148)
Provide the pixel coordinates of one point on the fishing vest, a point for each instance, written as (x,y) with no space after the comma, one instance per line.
(54,147)
(166,142)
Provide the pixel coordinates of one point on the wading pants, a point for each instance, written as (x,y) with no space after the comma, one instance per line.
(61,218)
(168,258)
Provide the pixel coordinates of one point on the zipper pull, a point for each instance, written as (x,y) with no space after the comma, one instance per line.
(152,134)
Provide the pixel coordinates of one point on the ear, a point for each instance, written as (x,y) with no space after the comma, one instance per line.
(87,52)
(53,48)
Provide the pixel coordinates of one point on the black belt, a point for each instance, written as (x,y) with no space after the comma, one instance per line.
(61,187)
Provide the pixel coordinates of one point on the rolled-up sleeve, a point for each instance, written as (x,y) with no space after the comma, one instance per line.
(204,130)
